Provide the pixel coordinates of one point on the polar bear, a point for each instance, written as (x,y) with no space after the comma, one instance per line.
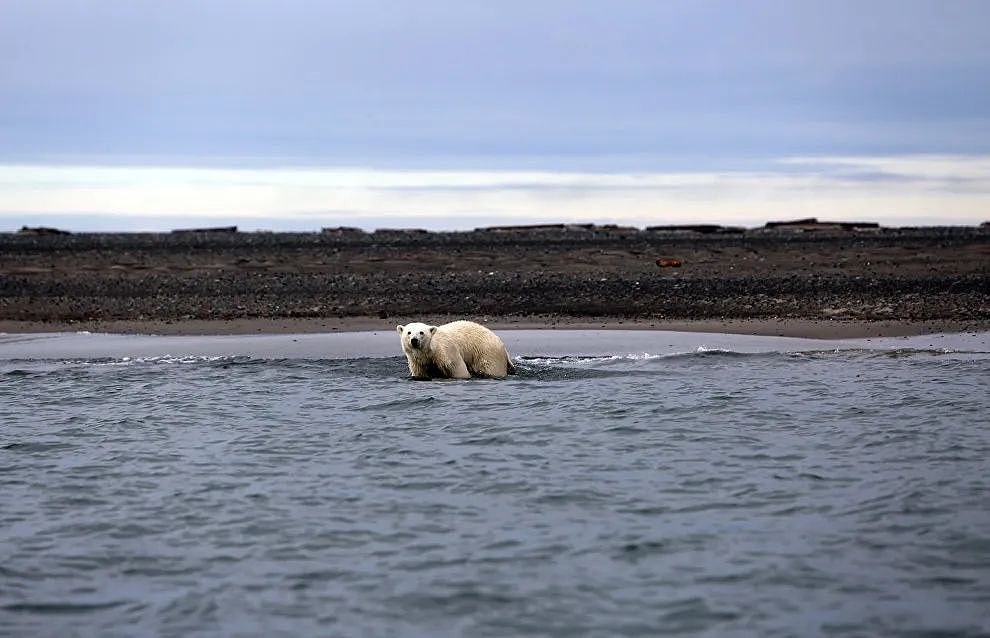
(455,350)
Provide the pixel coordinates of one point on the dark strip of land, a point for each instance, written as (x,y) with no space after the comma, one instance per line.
(539,275)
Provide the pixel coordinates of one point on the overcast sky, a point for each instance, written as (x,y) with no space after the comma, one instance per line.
(611,88)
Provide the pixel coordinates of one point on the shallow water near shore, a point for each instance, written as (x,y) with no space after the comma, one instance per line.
(731,487)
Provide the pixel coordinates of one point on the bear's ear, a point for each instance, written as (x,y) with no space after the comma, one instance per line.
(399,329)
(433,329)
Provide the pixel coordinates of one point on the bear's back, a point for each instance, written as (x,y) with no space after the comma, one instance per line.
(475,343)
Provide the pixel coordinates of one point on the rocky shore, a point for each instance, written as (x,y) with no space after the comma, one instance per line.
(823,273)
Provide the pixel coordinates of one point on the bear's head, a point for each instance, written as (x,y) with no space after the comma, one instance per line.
(416,337)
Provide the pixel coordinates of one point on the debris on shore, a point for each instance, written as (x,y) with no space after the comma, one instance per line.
(812,224)
(42,231)
(216,229)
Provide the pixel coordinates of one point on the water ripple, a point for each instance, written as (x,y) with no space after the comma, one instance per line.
(704,493)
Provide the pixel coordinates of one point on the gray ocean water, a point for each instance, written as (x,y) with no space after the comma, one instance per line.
(705,493)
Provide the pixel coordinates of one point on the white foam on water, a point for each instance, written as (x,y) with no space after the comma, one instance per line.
(712,349)
(166,359)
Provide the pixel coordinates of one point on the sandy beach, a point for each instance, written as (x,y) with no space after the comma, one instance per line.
(792,327)
(825,283)
(521,343)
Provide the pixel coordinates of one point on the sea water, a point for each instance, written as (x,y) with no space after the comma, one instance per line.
(711,492)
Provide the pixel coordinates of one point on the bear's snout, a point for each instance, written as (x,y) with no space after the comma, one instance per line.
(414,342)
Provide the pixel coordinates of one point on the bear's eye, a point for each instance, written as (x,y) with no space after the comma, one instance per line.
(420,332)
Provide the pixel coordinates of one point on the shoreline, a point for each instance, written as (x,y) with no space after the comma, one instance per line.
(824,329)
(522,344)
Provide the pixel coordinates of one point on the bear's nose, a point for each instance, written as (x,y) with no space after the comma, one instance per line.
(414,342)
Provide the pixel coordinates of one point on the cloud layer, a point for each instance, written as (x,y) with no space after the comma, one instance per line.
(605,86)
(893,190)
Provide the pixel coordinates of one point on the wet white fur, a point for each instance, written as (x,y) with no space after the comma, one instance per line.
(456,350)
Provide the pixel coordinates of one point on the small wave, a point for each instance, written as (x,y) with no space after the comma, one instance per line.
(169,359)
(401,404)
(166,359)
(61,608)
(712,350)
(24,370)
(705,352)
(888,353)
(591,359)
(572,368)
(702,351)
(897,353)
(36,446)
(574,359)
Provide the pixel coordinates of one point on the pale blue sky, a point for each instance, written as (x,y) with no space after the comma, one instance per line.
(727,89)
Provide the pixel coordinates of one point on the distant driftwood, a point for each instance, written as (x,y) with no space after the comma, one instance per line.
(705,229)
(216,229)
(528,228)
(812,224)
(401,231)
(342,230)
(42,230)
